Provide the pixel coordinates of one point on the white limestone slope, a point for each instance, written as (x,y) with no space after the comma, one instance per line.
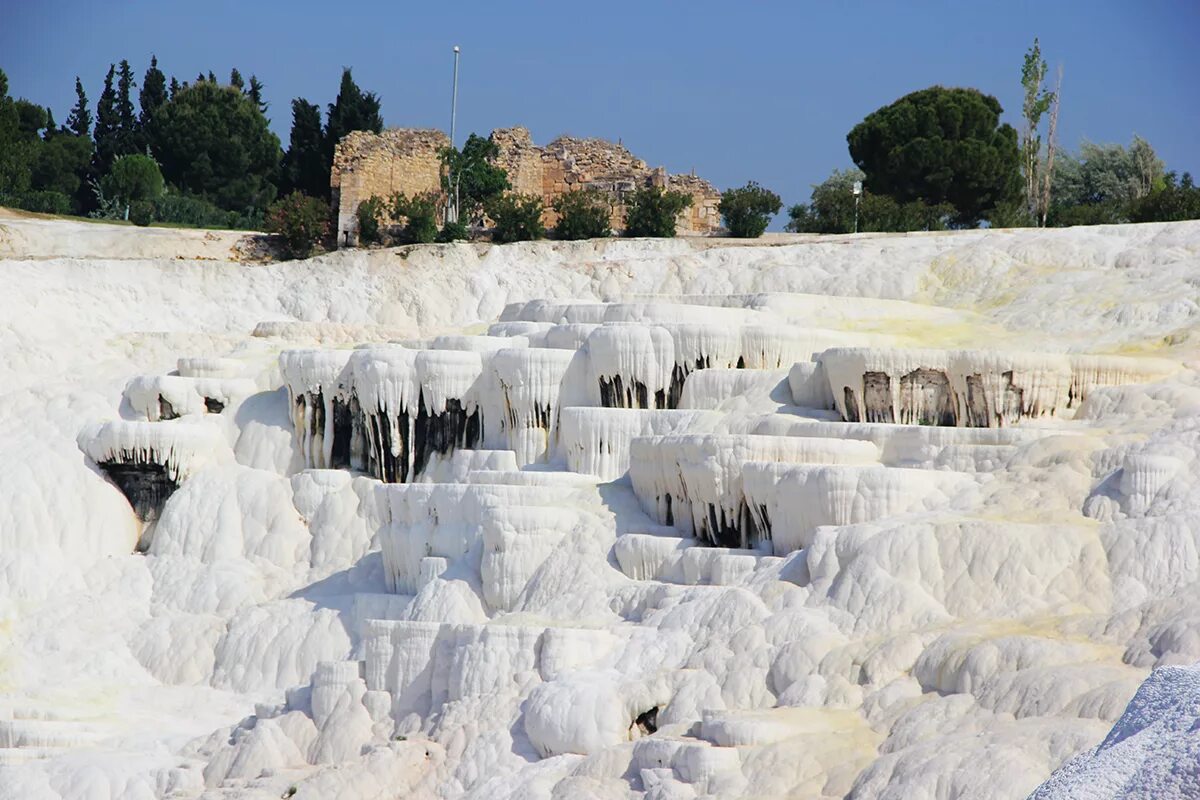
(726,583)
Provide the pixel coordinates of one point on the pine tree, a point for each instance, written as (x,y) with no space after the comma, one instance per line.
(80,120)
(153,94)
(255,94)
(235,79)
(51,128)
(304,168)
(107,125)
(129,139)
(354,110)
(174,86)
(212,78)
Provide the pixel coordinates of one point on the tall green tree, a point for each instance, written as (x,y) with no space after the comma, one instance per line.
(80,120)
(304,168)
(16,152)
(153,94)
(255,93)
(235,79)
(1038,100)
(108,124)
(174,87)
(354,110)
(61,165)
(31,119)
(940,145)
(129,136)
(212,141)
(472,175)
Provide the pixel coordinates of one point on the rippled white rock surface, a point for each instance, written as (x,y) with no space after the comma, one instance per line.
(877,517)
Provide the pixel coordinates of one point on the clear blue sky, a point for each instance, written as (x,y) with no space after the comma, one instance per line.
(738,91)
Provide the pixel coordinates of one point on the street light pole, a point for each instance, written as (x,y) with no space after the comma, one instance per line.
(452,204)
(857,196)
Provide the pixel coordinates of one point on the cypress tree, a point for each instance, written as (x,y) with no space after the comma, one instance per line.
(107,125)
(129,138)
(153,94)
(235,79)
(80,120)
(51,128)
(304,168)
(354,110)
(255,94)
(174,86)
(212,78)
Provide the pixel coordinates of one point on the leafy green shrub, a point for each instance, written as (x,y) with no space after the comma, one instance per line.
(831,210)
(472,175)
(41,202)
(517,218)
(196,212)
(419,213)
(369,213)
(301,221)
(141,212)
(652,211)
(583,214)
(748,210)
(1177,199)
(1010,214)
(453,232)
(133,177)
(1108,212)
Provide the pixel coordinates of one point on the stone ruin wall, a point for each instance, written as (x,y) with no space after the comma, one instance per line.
(380,164)
(405,160)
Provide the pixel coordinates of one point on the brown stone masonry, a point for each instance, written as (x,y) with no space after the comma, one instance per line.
(405,160)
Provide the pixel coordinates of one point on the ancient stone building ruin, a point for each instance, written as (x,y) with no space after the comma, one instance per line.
(406,160)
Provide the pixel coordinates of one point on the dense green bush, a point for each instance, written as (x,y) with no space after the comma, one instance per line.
(748,210)
(453,232)
(301,221)
(369,213)
(653,211)
(831,210)
(1011,214)
(517,218)
(419,214)
(196,212)
(1177,199)
(141,212)
(41,202)
(938,146)
(583,214)
(472,175)
(133,177)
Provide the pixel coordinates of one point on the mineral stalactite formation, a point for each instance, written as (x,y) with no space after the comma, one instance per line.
(604,519)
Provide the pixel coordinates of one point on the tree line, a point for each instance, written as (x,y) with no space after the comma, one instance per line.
(940,158)
(197,152)
(201,153)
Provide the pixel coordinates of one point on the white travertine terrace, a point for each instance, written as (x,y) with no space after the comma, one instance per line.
(414,553)
(972,388)
(165,397)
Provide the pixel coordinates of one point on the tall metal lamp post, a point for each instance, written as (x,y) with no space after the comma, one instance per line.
(452,202)
(857,196)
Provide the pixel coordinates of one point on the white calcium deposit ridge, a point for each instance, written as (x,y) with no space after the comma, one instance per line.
(882,516)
